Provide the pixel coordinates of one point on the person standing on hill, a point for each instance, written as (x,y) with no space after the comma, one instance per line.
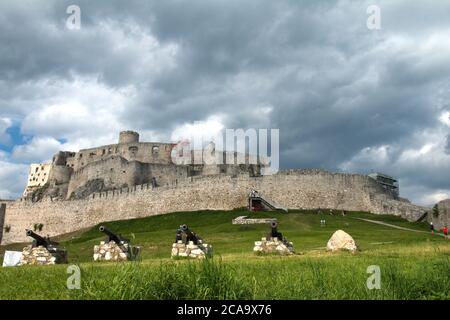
(445,231)
(431,227)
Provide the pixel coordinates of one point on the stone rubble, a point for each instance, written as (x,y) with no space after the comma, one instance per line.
(191,250)
(41,256)
(273,245)
(111,252)
(341,240)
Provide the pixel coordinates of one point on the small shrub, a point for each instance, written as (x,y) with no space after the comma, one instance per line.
(38,227)
(7,228)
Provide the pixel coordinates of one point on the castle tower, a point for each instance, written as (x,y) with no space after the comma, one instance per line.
(126,137)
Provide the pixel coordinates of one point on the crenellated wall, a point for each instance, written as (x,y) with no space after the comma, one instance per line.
(294,189)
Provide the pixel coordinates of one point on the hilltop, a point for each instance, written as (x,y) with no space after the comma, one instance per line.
(414,263)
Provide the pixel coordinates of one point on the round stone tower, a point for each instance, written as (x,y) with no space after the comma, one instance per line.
(128,137)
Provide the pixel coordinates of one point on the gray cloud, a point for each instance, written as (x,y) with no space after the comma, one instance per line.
(310,68)
(447,146)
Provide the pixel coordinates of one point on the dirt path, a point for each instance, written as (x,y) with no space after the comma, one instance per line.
(396,227)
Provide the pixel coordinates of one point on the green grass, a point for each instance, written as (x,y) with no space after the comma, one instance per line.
(413,265)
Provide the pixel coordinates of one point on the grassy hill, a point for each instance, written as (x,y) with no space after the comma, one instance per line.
(414,263)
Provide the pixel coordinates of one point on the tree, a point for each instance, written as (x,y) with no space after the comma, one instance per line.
(436,211)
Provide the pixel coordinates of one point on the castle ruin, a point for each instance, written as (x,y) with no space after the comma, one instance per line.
(134,179)
(129,163)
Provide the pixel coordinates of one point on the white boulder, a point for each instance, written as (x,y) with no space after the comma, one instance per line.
(341,240)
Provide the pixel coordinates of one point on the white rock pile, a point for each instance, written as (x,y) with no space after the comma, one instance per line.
(37,256)
(341,240)
(110,251)
(191,250)
(273,245)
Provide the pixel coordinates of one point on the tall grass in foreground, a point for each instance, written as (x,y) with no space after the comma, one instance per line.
(278,278)
(208,279)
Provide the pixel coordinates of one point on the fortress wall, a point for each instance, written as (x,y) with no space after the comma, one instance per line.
(86,156)
(316,190)
(146,152)
(166,175)
(308,189)
(77,179)
(139,151)
(67,216)
(2,219)
(442,219)
(117,172)
(60,174)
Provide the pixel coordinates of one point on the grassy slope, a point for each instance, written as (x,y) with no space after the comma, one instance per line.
(414,265)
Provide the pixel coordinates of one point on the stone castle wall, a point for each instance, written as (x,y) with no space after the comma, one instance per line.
(147,152)
(442,219)
(116,172)
(302,189)
(2,219)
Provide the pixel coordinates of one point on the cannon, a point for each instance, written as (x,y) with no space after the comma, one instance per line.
(41,241)
(113,237)
(274,231)
(185,235)
(132,252)
(275,234)
(53,248)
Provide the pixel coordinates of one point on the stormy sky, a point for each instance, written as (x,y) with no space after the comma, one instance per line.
(345,97)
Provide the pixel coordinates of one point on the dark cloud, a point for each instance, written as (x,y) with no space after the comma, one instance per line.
(310,68)
(447,147)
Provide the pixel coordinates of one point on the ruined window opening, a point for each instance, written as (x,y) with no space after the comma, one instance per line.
(133,150)
(155,150)
(37,169)
(103,151)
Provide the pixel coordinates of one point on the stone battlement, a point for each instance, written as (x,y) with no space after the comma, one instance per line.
(294,189)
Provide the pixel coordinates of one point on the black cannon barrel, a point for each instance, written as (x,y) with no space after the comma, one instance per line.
(39,241)
(188,231)
(185,234)
(274,231)
(112,236)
